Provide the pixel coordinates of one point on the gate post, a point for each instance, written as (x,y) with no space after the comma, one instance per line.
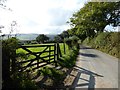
(49,53)
(64,47)
(5,65)
(55,53)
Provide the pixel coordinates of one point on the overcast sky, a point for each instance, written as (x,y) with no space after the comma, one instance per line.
(39,16)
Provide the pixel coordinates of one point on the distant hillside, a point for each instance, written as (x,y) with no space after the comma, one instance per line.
(27,36)
(30,36)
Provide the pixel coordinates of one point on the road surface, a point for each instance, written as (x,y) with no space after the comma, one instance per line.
(94,69)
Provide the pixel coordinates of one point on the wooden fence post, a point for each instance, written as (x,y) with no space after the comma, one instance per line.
(59,51)
(64,47)
(5,65)
(37,63)
(49,53)
(55,53)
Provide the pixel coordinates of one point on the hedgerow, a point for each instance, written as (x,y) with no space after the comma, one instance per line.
(107,42)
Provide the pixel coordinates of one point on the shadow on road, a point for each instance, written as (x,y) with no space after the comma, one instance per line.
(83,47)
(90,82)
(88,55)
(74,78)
(73,81)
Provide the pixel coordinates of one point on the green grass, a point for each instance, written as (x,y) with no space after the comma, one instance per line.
(21,53)
(62,48)
(68,60)
(38,49)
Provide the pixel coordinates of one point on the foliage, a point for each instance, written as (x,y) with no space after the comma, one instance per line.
(60,37)
(107,42)
(86,41)
(100,40)
(57,38)
(72,41)
(10,43)
(41,38)
(9,46)
(62,48)
(16,80)
(68,60)
(20,80)
(93,18)
(3,4)
(54,74)
(68,41)
(64,34)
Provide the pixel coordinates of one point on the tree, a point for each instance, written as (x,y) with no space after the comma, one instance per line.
(64,34)
(94,16)
(41,38)
(3,5)
(57,38)
(1,28)
(13,28)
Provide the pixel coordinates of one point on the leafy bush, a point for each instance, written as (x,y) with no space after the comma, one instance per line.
(54,74)
(16,80)
(9,45)
(68,42)
(86,41)
(72,41)
(68,60)
(23,81)
(8,53)
(107,42)
(100,40)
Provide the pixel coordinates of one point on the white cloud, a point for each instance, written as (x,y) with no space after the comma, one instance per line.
(39,16)
(111,28)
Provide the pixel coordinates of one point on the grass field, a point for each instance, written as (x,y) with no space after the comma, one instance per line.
(22,53)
